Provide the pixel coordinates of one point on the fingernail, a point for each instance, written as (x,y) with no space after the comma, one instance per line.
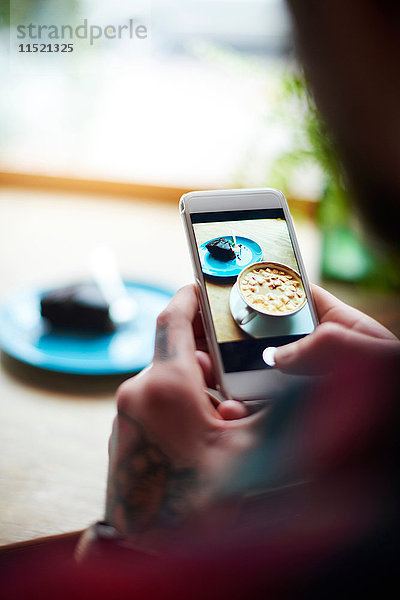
(269,356)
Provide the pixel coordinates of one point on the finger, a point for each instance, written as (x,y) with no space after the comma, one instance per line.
(325,301)
(231,410)
(320,352)
(330,308)
(207,368)
(174,333)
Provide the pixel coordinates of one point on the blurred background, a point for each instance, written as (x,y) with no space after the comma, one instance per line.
(98,144)
(210,97)
(179,108)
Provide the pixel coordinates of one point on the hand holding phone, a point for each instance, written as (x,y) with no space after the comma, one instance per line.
(253,289)
(344,333)
(172,449)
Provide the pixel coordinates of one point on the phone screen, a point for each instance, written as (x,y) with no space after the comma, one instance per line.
(253,284)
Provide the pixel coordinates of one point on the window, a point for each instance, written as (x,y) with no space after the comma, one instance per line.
(180,106)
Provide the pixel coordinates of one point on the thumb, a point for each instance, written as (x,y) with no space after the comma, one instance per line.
(319,352)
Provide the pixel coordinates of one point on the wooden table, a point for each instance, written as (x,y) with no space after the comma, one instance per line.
(54,429)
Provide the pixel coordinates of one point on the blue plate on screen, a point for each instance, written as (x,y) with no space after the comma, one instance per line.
(27,337)
(251,252)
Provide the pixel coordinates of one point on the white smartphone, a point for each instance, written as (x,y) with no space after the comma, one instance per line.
(253,289)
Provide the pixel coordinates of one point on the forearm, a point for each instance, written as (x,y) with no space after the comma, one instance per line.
(148,491)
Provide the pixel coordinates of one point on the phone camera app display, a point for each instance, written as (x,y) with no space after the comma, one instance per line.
(254,287)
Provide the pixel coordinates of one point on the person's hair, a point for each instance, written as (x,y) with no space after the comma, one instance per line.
(351,56)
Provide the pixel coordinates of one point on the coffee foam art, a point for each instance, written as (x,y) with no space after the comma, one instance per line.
(272,289)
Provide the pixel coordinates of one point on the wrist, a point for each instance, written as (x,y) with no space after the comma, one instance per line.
(102,540)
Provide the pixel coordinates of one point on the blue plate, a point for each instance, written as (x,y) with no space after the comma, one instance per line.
(29,338)
(251,252)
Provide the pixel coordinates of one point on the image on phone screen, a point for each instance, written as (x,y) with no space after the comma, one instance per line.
(253,284)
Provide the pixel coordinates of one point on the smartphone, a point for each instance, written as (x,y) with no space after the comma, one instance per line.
(252,286)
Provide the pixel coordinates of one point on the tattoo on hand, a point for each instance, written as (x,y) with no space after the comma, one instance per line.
(145,489)
(162,351)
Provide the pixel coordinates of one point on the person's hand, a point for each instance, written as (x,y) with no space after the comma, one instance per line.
(344,333)
(171,447)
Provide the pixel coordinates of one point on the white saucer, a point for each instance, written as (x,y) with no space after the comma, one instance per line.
(262,326)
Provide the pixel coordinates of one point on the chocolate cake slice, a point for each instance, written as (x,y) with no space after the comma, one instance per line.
(81,306)
(221,249)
